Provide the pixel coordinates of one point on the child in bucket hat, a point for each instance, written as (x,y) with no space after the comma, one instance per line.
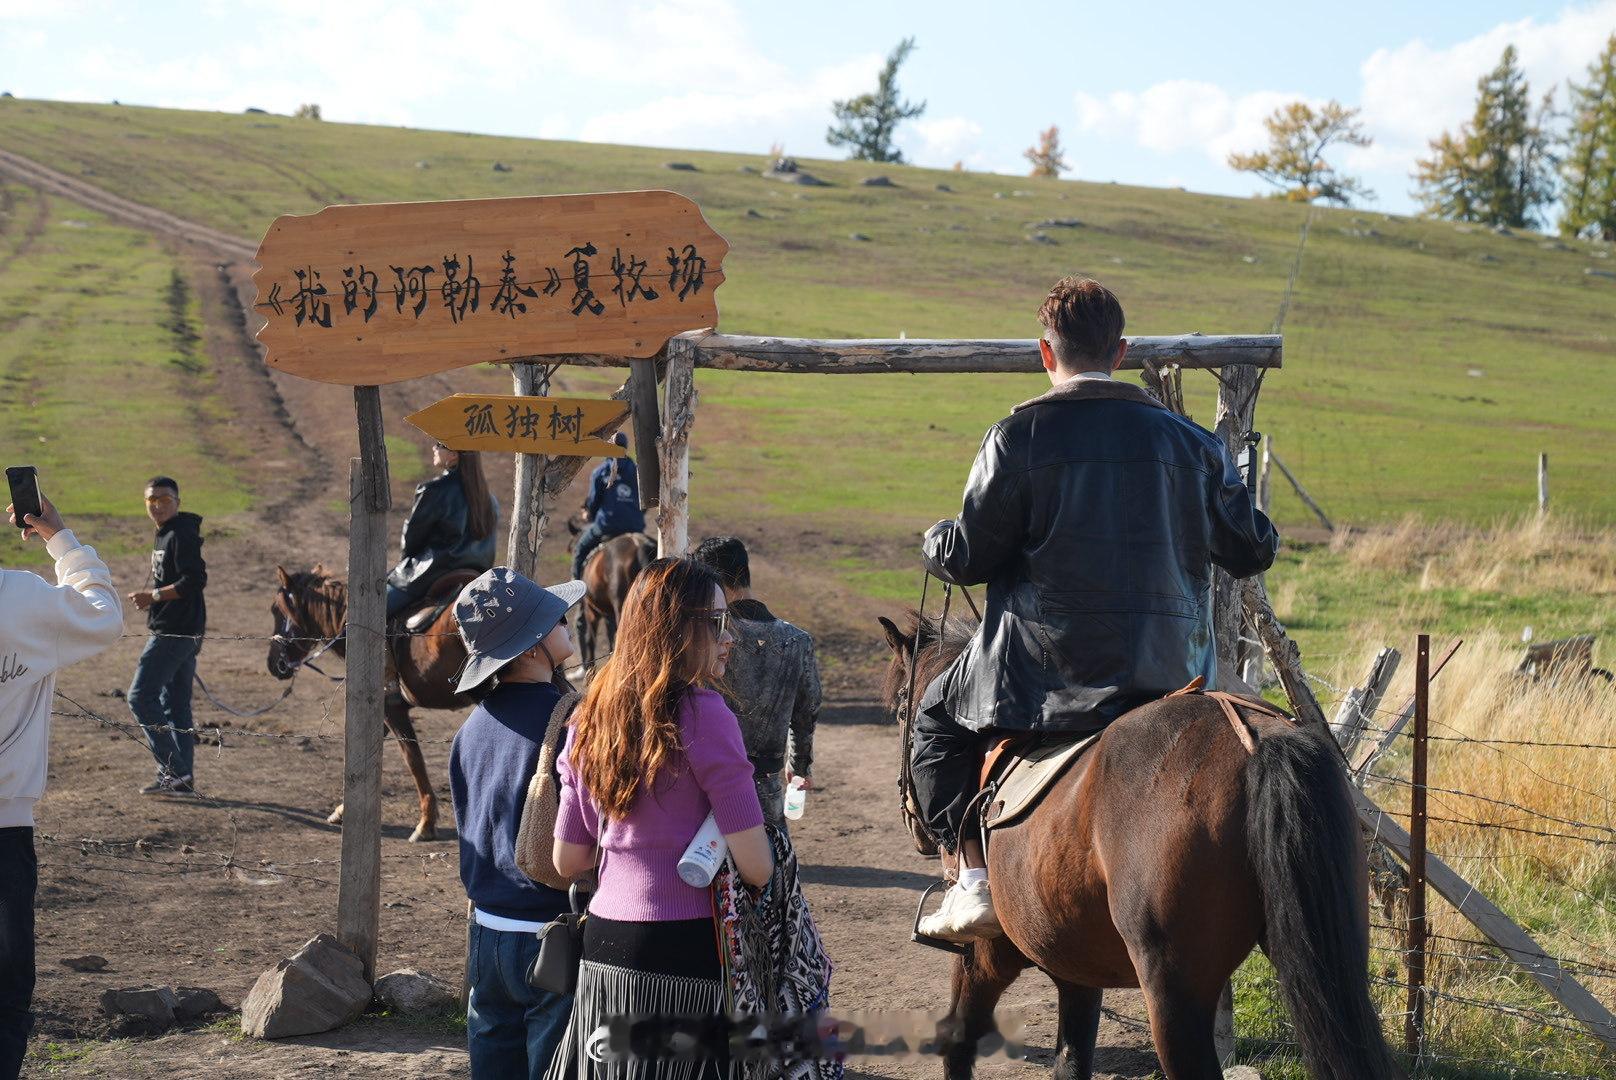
(516,643)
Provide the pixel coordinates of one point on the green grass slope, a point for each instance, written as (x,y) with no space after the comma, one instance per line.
(102,379)
(1426,364)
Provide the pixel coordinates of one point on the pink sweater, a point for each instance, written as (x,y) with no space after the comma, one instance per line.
(639,854)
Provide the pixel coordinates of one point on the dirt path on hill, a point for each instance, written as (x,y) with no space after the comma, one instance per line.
(212,891)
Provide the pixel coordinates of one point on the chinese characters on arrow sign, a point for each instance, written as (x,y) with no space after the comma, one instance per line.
(458,290)
(525,422)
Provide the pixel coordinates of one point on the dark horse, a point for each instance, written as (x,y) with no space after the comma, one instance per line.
(311,610)
(1158,860)
(611,569)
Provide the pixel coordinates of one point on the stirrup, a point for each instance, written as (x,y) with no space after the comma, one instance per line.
(926,939)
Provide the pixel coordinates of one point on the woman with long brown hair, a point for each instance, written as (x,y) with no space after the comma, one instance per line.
(450,527)
(652,751)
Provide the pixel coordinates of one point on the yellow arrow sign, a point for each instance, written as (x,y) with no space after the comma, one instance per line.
(559,427)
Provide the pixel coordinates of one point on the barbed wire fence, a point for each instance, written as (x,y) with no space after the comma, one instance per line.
(1460,961)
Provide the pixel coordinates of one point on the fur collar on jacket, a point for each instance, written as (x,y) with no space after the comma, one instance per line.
(1093,390)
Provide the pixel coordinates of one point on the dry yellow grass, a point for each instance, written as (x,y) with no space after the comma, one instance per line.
(1530,554)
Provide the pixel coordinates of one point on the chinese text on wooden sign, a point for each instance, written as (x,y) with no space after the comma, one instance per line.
(560,427)
(363,295)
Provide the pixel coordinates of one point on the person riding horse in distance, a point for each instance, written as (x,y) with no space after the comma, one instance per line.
(612,507)
(450,527)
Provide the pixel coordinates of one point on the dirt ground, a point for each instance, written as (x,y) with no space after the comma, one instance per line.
(212,891)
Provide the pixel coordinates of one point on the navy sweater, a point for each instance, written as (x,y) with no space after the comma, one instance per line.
(490,765)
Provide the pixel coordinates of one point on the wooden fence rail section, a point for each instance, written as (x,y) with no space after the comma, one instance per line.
(920,356)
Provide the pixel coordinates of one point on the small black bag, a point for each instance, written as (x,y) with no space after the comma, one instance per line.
(561,949)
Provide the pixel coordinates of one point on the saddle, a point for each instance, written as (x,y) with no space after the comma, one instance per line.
(1018,770)
(425,611)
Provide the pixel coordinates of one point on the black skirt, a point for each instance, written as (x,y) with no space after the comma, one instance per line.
(687,947)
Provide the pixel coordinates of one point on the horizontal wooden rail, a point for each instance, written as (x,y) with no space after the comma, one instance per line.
(860,356)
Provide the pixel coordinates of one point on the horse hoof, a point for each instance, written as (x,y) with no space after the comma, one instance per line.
(423,833)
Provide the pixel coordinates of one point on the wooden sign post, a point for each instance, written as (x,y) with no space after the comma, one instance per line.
(373,294)
(365,295)
(559,427)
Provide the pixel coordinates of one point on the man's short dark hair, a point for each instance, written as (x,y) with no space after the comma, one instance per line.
(163,481)
(1083,323)
(726,557)
(621,440)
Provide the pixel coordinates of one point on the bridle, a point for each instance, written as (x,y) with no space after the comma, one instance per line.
(286,605)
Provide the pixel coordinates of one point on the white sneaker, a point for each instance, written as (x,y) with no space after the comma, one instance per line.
(966,914)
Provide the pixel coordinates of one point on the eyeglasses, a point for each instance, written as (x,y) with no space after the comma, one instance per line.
(155,500)
(719,620)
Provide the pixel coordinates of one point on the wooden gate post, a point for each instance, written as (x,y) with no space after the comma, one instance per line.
(359,883)
(673,448)
(529,515)
(1237,408)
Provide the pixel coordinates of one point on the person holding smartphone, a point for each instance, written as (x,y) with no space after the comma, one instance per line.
(176,616)
(50,627)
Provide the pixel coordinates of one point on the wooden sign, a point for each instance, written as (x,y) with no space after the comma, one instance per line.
(559,427)
(362,295)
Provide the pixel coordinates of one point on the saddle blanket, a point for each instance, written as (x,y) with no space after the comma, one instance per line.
(1033,766)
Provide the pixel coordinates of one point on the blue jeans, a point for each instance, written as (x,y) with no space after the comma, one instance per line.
(512,1030)
(160,698)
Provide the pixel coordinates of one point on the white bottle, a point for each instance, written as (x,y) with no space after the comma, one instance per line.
(704,856)
(796,799)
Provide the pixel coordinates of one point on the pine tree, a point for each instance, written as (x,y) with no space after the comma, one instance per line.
(1589,167)
(1294,161)
(1499,169)
(1048,159)
(867,122)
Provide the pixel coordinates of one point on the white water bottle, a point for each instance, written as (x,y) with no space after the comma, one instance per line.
(796,798)
(704,856)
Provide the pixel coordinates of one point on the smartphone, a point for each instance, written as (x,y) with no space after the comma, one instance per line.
(24,483)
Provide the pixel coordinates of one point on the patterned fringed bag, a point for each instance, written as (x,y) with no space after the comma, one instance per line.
(774,962)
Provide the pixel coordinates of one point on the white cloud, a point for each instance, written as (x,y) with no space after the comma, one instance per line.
(1181,114)
(1413,92)
(945,140)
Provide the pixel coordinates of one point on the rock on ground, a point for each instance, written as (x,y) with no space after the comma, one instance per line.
(145,1010)
(320,987)
(194,1002)
(412,993)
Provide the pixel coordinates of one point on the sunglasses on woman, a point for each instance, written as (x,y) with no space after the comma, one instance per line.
(718,620)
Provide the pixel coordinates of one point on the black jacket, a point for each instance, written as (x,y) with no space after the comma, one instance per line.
(177,560)
(1094,515)
(435,540)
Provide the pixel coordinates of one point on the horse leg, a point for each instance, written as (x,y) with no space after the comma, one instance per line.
(1181,1024)
(397,714)
(1078,1030)
(981,977)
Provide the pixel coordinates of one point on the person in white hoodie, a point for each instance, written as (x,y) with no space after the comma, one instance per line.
(46,627)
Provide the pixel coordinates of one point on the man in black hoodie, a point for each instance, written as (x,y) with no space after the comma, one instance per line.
(160,696)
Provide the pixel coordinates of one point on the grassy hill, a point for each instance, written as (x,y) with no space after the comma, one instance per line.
(1426,364)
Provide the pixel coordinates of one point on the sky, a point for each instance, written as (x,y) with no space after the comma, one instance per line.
(1143,93)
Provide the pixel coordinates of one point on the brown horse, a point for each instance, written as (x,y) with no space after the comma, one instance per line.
(311,612)
(1159,860)
(611,569)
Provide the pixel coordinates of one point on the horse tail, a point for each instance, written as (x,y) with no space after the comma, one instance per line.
(1307,852)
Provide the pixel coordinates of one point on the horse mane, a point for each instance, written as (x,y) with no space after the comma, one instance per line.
(323,596)
(939,644)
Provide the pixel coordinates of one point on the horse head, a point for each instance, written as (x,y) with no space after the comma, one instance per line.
(309,609)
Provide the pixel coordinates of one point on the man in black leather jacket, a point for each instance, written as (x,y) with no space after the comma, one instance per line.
(438,534)
(1094,515)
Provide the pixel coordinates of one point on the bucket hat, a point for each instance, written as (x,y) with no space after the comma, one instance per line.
(502,615)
